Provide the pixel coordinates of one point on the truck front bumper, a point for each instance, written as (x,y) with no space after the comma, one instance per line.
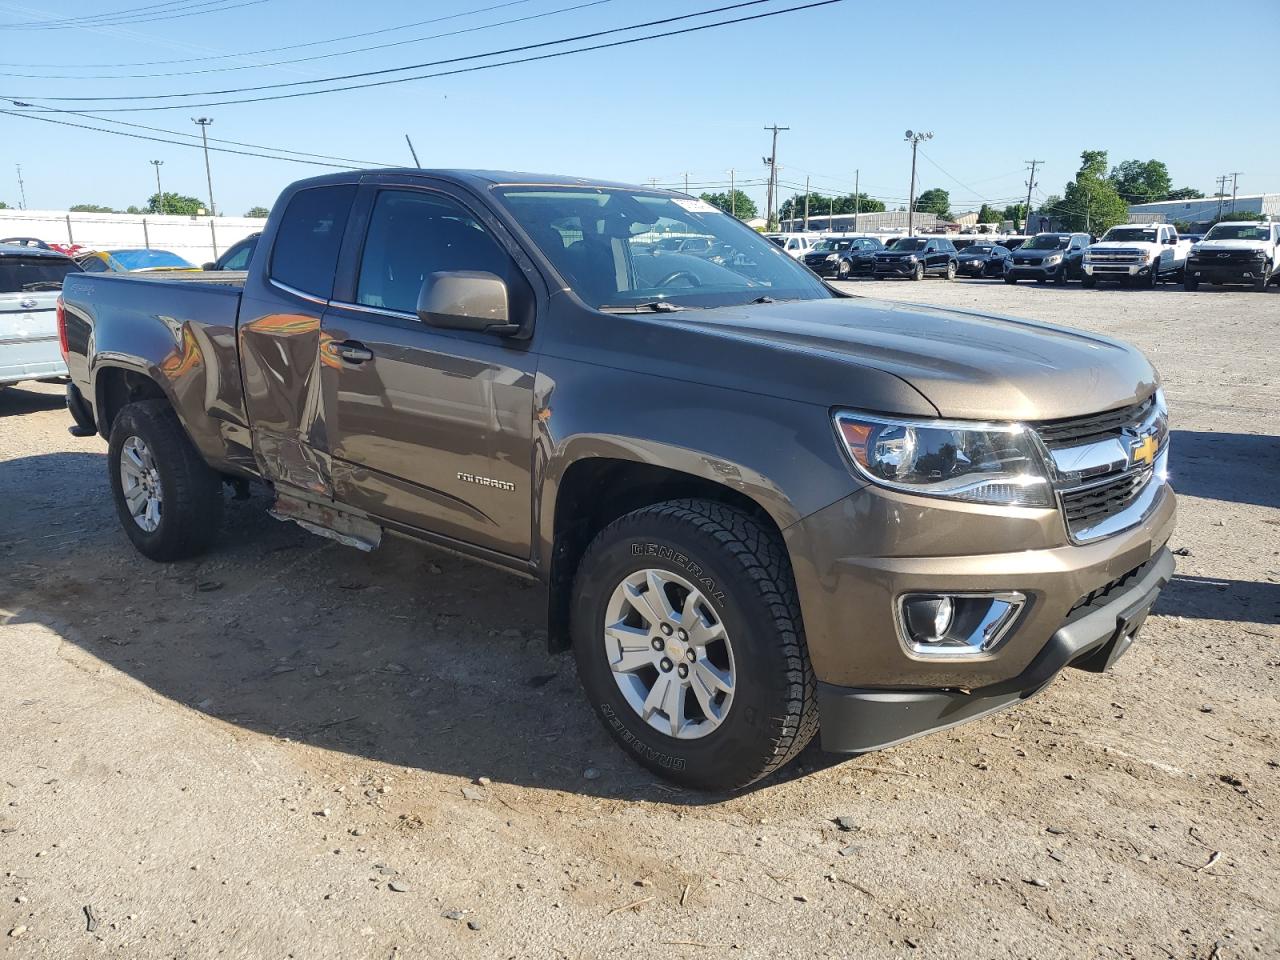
(1117,271)
(1238,272)
(858,720)
(856,561)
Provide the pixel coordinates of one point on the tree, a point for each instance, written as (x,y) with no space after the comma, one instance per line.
(174,204)
(91,208)
(936,201)
(1017,212)
(261,212)
(1091,202)
(820,205)
(1139,181)
(3,205)
(988,215)
(740,205)
(1238,215)
(1186,193)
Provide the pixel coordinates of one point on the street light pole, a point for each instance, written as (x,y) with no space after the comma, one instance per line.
(204,136)
(913,139)
(159,193)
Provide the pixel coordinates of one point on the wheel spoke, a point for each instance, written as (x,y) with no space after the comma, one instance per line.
(630,649)
(135,497)
(673,705)
(657,695)
(705,697)
(713,676)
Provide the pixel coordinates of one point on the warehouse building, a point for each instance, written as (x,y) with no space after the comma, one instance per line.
(1206,210)
(888,222)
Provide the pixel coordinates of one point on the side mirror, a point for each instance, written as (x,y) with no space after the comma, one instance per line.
(209,266)
(466,300)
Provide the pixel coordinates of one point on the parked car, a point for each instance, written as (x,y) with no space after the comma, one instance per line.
(1235,252)
(33,242)
(30,280)
(1049,256)
(758,507)
(133,261)
(236,256)
(839,258)
(1136,253)
(982,259)
(796,244)
(915,258)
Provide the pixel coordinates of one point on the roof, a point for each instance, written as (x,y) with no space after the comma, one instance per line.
(484,178)
(13,249)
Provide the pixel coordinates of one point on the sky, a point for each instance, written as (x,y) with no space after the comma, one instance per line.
(996,84)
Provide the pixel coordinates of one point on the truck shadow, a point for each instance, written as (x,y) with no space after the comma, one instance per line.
(1212,598)
(407,655)
(1238,467)
(14,402)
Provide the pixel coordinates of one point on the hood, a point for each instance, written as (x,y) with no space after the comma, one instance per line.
(966,364)
(974,255)
(1210,245)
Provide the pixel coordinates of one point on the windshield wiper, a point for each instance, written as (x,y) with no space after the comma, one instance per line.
(763,299)
(43,285)
(657,306)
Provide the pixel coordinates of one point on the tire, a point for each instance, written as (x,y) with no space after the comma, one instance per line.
(1261,283)
(744,575)
(1190,283)
(918,274)
(189,508)
(1061,278)
(1010,278)
(951,270)
(1153,280)
(842,271)
(1089,282)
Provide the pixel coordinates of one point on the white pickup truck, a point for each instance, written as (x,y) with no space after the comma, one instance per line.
(1143,253)
(1239,252)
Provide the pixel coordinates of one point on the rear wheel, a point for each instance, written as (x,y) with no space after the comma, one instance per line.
(168,499)
(690,646)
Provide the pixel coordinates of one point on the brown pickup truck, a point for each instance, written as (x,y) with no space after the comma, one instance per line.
(759,507)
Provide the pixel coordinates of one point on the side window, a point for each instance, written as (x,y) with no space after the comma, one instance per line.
(413,235)
(240,259)
(305,254)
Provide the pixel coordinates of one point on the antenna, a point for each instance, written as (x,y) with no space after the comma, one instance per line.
(412,152)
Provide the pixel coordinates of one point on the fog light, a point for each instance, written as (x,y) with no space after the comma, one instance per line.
(956,625)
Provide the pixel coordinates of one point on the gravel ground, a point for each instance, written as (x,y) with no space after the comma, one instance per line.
(278,751)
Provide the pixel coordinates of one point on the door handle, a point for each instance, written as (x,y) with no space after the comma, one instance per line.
(353,351)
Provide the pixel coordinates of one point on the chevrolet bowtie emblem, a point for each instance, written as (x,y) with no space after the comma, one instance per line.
(1144,450)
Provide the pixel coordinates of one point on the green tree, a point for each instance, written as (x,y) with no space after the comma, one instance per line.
(1090,202)
(174,204)
(987,214)
(262,212)
(1238,215)
(1142,181)
(3,205)
(936,201)
(740,205)
(1186,193)
(91,208)
(821,205)
(1017,212)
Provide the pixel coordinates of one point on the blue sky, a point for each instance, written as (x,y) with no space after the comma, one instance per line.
(997,84)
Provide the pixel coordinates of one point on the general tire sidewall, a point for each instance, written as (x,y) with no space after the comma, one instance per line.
(135,423)
(747,736)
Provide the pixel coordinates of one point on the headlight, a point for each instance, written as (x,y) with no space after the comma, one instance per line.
(911,258)
(1052,259)
(832,257)
(975,462)
(1259,254)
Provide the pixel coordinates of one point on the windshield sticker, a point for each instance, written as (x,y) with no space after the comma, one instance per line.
(696,206)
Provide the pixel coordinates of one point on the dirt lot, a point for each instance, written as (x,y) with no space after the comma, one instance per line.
(272,752)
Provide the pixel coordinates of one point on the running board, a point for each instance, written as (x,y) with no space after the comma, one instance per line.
(326,520)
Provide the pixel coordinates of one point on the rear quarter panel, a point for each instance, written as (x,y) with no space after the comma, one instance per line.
(178,331)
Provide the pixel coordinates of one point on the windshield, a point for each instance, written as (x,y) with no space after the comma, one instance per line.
(148,259)
(610,246)
(1047,241)
(827,246)
(1131,235)
(981,249)
(29,274)
(1238,231)
(907,243)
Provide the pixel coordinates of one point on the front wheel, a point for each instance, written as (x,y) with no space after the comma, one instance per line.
(168,499)
(951,269)
(1190,283)
(1088,281)
(1260,284)
(918,273)
(690,646)
(842,271)
(1010,278)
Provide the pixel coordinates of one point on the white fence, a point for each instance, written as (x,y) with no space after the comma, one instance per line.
(197,239)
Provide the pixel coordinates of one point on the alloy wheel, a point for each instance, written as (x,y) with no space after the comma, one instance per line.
(140,483)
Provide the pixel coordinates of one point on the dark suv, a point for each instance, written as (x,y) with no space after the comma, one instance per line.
(916,257)
(1049,256)
(843,257)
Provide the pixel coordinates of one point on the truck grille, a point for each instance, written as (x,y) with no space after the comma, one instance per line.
(1086,506)
(1116,256)
(1211,257)
(1098,426)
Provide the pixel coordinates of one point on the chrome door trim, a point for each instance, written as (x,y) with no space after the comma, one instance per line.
(309,297)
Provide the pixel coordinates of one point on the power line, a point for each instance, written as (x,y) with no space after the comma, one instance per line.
(318,56)
(218,6)
(66,22)
(472,69)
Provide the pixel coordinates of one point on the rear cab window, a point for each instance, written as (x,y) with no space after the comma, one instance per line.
(26,274)
(304,256)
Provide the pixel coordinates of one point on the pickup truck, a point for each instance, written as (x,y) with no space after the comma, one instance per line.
(758,507)
(30,278)
(1235,252)
(1142,253)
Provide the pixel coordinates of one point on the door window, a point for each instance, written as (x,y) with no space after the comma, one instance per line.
(413,235)
(305,254)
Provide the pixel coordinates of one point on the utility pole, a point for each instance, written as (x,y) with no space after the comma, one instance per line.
(913,139)
(733,195)
(22,188)
(806,204)
(1222,193)
(159,193)
(204,122)
(686,181)
(1234,177)
(772,162)
(1031,183)
(857,199)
